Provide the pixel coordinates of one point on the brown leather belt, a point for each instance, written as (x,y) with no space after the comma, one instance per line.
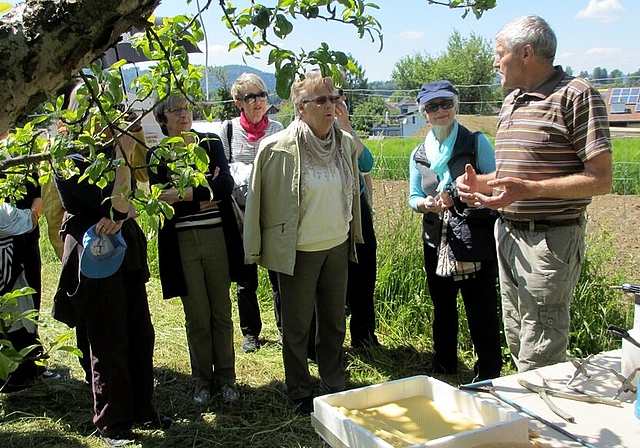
(541,225)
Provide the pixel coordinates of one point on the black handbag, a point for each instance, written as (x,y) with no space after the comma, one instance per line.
(470,231)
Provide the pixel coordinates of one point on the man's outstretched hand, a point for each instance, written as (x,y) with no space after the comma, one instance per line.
(505,191)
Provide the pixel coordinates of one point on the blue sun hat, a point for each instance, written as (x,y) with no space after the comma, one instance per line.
(102,254)
(436,89)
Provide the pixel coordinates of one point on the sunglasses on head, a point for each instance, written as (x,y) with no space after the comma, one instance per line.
(252,97)
(322,100)
(433,107)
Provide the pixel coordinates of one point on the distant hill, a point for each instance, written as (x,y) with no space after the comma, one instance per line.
(233,71)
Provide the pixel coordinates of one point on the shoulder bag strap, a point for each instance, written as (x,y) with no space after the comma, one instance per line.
(229,136)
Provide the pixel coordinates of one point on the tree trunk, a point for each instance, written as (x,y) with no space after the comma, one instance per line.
(43,43)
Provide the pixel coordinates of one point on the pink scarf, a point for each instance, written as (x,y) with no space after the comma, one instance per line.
(254,131)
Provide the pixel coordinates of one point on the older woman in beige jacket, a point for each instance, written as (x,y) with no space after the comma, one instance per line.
(303,220)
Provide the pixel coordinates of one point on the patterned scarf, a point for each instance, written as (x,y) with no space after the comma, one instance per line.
(324,153)
(254,131)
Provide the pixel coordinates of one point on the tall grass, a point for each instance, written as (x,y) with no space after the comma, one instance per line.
(596,305)
(626,166)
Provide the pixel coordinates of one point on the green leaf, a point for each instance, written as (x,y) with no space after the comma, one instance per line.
(5,7)
(70,349)
(282,28)
(261,17)
(201,158)
(284,79)
(9,361)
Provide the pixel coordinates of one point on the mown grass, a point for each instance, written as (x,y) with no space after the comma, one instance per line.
(58,413)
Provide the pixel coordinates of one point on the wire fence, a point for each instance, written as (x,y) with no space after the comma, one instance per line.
(395,166)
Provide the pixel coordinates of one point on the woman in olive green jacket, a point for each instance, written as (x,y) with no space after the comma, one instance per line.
(302,221)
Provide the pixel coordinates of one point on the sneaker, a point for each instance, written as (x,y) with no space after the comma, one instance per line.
(304,405)
(201,396)
(230,393)
(122,439)
(250,344)
(49,375)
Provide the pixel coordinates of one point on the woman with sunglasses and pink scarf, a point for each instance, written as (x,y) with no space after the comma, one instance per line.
(302,221)
(240,138)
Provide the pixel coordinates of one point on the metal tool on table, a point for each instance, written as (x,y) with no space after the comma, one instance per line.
(542,392)
(581,365)
(627,382)
(487,387)
(546,392)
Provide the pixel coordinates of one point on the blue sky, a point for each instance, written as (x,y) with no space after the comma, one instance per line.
(591,33)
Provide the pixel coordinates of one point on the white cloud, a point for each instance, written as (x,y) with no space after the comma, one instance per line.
(412,34)
(607,52)
(605,57)
(218,49)
(601,10)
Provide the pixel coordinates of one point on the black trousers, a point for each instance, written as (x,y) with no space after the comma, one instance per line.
(480,297)
(362,283)
(121,341)
(248,306)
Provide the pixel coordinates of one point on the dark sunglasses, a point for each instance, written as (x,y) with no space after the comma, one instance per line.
(433,107)
(341,92)
(252,97)
(322,100)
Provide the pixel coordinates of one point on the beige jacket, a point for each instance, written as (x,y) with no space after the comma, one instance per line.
(273,201)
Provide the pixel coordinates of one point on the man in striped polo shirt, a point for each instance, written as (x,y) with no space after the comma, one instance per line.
(553,153)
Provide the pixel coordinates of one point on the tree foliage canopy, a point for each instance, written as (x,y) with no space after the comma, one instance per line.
(466,62)
(43,43)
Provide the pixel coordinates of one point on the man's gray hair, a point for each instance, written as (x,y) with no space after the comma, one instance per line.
(531,30)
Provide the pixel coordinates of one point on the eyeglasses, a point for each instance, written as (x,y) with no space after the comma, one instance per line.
(322,100)
(251,98)
(341,92)
(433,107)
(179,110)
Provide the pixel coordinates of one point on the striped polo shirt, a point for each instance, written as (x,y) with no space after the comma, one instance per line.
(550,133)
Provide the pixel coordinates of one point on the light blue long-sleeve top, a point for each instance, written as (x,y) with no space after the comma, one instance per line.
(486,162)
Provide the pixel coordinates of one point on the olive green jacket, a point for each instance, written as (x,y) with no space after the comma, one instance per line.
(273,201)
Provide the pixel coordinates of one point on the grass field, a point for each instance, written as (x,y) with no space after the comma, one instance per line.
(392,155)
